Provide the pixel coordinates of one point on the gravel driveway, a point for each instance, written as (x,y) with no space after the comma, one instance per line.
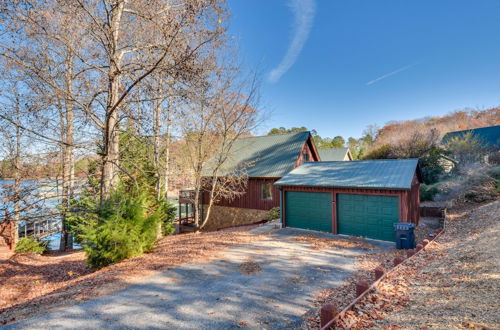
(267,284)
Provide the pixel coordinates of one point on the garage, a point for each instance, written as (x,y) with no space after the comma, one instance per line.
(309,210)
(357,198)
(372,216)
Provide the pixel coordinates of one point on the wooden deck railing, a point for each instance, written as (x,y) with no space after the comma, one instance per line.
(186,211)
(187,195)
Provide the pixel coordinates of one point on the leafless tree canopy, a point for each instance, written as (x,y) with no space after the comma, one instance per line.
(89,70)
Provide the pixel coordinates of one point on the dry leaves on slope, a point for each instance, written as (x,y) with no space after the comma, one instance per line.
(452,284)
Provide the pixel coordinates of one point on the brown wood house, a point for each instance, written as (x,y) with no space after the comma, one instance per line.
(271,157)
(360,198)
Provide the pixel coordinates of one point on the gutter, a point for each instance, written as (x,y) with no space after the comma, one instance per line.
(342,187)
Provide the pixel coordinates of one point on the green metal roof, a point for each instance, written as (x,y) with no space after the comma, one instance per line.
(333,154)
(372,174)
(489,136)
(266,156)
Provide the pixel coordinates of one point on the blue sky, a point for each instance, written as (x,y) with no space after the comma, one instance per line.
(353,63)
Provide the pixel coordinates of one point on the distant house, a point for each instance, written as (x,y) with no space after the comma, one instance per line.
(488,136)
(270,158)
(335,154)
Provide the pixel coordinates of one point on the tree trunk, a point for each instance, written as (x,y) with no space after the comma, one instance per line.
(166,173)
(210,203)
(111,147)
(109,176)
(198,191)
(68,165)
(17,180)
(156,146)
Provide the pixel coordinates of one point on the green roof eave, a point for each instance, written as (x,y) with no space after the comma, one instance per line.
(388,174)
(342,187)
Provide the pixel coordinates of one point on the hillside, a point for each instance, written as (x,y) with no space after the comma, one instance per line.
(394,132)
(452,284)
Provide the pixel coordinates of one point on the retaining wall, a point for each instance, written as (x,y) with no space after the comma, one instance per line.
(224,216)
(432,211)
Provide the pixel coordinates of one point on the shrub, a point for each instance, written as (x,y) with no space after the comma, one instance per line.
(475,185)
(273,213)
(431,165)
(428,192)
(415,144)
(83,213)
(28,244)
(382,152)
(169,211)
(466,148)
(481,188)
(494,172)
(126,228)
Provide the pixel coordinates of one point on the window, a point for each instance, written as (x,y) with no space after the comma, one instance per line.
(267,191)
(305,156)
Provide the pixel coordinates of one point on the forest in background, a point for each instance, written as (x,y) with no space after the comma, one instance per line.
(394,135)
(462,170)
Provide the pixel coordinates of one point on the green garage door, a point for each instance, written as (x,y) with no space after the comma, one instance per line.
(309,210)
(367,215)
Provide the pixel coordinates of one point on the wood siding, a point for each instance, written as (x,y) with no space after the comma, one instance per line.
(408,200)
(311,151)
(252,199)
(414,201)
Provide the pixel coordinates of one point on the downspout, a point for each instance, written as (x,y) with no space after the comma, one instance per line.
(281,205)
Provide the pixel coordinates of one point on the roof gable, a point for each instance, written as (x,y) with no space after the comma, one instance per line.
(334,154)
(489,136)
(266,156)
(371,174)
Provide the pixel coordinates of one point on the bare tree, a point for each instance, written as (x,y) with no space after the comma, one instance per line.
(212,121)
(135,40)
(122,43)
(163,98)
(45,56)
(94,69)
(15,197)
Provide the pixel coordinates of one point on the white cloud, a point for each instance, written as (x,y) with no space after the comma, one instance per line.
(303,14)
(387,75)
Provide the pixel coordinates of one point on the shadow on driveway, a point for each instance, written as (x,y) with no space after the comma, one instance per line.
(218,294)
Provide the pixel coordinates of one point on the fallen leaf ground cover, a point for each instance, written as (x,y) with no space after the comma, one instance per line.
(342,296)
(321,243)
(32,284)
(454,283)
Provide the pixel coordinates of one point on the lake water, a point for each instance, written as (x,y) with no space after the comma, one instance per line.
(55,239)
(48,205)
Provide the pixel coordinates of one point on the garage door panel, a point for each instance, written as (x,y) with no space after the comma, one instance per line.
(388,210)
(309,210)
(367,215)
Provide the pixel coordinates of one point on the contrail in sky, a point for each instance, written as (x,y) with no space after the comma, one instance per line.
(303,18)
(387,75)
